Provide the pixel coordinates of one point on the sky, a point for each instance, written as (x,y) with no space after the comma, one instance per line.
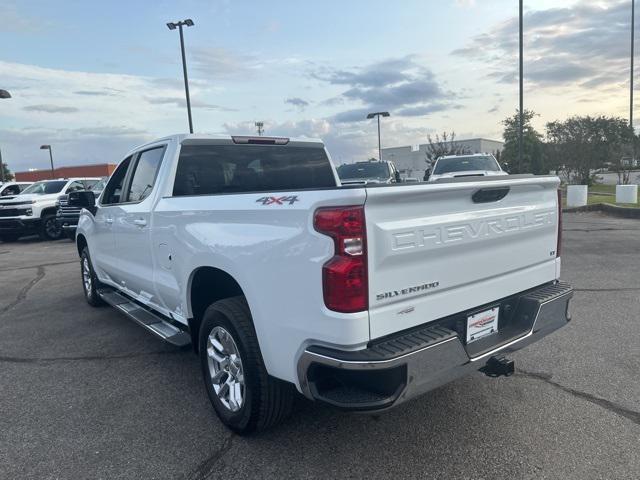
(95,79)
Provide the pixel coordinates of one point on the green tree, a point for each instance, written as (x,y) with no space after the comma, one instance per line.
(581,144)
(533,157)
(7,175)
(445,145)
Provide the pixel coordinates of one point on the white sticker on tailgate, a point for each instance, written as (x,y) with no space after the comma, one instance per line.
(482,324)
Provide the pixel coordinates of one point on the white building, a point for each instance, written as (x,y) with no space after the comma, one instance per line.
(411,161)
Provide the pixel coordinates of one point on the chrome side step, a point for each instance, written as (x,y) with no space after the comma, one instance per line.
(149,320)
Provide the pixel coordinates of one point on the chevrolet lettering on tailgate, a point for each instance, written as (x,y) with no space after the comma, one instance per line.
(434,236)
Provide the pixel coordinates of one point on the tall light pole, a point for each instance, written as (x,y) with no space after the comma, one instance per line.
(260,127)
(633,21)
(378,115)
(48,147)
(3,94)
(172,26)
(1,169)
(521,122)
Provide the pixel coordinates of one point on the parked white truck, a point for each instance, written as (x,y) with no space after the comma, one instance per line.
(358,296)
(33,210)
(465,165)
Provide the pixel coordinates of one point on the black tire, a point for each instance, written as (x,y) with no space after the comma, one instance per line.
(90,292)
(267,400)
(49,228)
(9,237)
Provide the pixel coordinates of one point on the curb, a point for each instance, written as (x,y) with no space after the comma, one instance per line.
(615,210)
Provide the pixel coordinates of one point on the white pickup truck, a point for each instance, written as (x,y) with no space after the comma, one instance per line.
(358,296)
(33,211)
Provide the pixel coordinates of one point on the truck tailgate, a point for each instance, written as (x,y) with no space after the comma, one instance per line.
(439,249)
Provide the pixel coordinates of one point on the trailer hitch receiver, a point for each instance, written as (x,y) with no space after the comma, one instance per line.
(499,365)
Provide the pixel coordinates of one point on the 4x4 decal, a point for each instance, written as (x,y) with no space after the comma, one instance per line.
(291,199)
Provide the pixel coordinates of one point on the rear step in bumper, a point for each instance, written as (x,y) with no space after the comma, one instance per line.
(146,318)
(411,363)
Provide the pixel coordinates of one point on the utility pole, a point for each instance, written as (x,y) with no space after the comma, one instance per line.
(260,127)
(172,26)
(521,125)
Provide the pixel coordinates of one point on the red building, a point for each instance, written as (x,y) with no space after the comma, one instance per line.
(98,170)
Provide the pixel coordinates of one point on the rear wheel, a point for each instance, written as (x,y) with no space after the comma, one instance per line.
(90,282)
(49,228)
(243,394)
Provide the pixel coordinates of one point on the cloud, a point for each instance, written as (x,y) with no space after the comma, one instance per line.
(49,108)
(182,103)
(17,21)
(379,74)
(72,146)
(220,63)
(585,45)
(96,128)
(297,102)
(422,110)
(346,142)
(97,93)
(399,85)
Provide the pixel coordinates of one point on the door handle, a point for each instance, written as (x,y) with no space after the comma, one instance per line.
(108,220)
(141,222)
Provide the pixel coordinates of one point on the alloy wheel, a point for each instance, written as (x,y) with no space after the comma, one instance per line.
(225,367)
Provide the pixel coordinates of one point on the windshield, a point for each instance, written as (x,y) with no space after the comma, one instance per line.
(465,164)
(42,188)
(363,170)
(99,186)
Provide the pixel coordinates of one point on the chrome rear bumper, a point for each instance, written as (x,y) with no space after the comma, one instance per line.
(411,363)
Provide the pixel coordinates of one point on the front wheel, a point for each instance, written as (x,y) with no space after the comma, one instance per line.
(241,391)
(49,228)
(90,282)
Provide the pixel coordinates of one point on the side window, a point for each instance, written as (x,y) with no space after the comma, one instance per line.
(11,190)
(74,187)
(144,174)
(113,190)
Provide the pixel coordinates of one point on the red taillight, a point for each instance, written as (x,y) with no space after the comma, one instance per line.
(559,244)
(344,276)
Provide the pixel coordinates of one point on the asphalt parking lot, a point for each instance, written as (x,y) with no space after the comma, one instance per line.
(85,393)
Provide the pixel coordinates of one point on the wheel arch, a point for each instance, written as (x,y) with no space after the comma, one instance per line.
(81,243)
(207,285)
(47,211)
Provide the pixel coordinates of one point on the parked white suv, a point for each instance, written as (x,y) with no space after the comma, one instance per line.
(358,296)
(11,189)
(34,210)
(459,166)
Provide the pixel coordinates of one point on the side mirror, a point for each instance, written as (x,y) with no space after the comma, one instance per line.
(427,174)
(83,199)
(397,175)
